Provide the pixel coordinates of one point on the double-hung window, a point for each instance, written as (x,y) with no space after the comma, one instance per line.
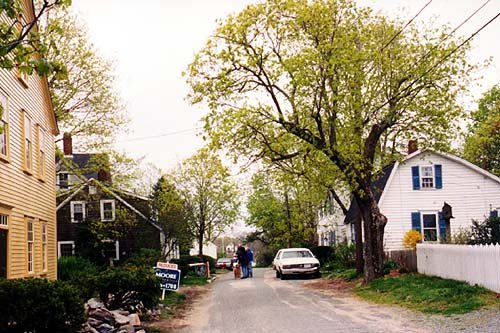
(77,211)
(41,153)
(63,179)
(4,128)
(30,238)
(28,144)
(431,225)
(107,210)
(44,247)
(427,177)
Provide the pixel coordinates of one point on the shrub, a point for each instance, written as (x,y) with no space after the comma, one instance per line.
(79,272)
(411,239)
(323,253)
(389,265)
(40,306)
(144,258)
(345,255)
(128,288)
(486,232)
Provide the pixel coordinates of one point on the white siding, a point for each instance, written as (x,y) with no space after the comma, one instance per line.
(470,194)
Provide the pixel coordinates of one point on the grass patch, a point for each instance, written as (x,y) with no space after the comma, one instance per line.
(347,274)
(192,280)
(427,294)
(172,300)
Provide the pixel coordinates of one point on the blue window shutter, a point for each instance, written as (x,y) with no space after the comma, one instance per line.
(415,221)
(442,227)
(438,178)
(416,177)
(494,213)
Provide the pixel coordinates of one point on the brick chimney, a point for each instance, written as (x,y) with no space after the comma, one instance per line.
(67,144)
(412,146)
(104,176)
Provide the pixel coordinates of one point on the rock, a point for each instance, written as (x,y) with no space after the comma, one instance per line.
(94,303)
(126,329)
(94,322)
(120,319)
(89,329)
(134,319)
(141,331)
(103,315)
(105,328)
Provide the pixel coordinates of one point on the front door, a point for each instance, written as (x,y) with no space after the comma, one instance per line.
(3,253)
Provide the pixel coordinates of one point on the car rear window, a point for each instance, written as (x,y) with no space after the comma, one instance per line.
(296,254)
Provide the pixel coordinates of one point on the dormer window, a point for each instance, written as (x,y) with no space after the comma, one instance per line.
(62,179)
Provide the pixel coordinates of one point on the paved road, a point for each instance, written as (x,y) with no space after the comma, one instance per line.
(267,304)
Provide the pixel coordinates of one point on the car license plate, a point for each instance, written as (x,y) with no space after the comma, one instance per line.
(307,265)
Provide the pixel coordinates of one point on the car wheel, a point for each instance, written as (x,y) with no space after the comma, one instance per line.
(317,275)
(283,277)
(278,275)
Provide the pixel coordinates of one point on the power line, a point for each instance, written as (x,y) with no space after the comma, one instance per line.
(403,28)
(439,62)
(161,135)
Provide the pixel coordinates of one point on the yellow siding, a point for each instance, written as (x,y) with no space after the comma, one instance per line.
(24,194)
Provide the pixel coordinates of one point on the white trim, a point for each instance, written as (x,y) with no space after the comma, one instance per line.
(117,248)
(64,243)
(72,210)
(112,202)
(68,199)
(429,212)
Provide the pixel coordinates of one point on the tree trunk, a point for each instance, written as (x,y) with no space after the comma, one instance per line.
(200,245)
(288,219)
(373,226)
(358,238)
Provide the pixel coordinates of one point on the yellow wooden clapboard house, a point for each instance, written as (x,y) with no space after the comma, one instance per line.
(27,175)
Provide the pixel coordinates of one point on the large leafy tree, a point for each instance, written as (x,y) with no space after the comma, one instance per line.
(84,99)
(283,209)
(327,76)
(210,195)
(170,211)
(482,145)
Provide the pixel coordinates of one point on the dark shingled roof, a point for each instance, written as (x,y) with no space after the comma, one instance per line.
(82,160)
(378,186)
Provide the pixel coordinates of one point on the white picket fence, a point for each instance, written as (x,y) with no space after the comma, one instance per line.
(475,264)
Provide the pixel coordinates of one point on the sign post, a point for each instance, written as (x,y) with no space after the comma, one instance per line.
(169,276)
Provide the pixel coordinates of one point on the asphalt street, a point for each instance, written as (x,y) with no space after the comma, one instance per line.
(267,304)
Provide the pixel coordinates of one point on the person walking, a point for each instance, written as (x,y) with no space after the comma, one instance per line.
(241,253)
(250,261)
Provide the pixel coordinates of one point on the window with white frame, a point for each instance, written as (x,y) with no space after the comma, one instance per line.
(427,178)
(44,247)
(112,249)
(28,146)
(65,249)
(41,153)
(30,244)
(4,127)
(77,209)
(107,210)
(63,179)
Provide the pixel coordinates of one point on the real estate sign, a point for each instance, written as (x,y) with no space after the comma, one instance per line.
(169,278)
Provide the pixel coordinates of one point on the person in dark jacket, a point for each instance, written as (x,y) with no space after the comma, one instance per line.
(241,253)
(250,261)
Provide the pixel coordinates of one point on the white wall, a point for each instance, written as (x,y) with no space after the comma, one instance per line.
(470,193)
(209,249)
(473,264)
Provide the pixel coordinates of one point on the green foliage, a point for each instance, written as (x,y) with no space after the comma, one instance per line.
(211,197)
(486,232)
(345,255)
(145,258)
(84,98)
(128,288)
(170,211)
(389,265)
(80,273)
(426,294)
(40,306)
(348,274)
(193,280)
(323,253)
(171,302)
(184,261)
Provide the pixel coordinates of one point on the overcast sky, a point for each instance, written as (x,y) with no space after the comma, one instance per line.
(153,41)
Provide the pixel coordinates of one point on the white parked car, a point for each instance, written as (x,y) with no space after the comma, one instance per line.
(295,261)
